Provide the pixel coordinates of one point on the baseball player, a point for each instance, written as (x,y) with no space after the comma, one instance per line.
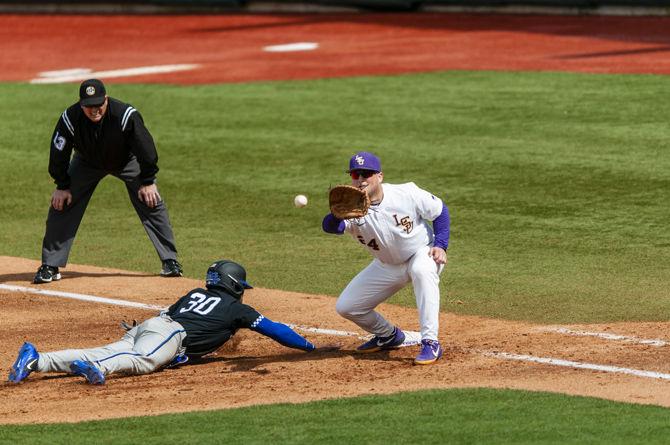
(199,323)
(405,248)
(108,137)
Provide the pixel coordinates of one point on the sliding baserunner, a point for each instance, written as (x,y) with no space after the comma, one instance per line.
(199,323)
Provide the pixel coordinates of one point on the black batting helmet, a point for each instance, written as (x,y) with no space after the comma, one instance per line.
(229,275)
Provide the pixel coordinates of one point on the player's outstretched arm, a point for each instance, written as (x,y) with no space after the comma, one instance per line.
(281,333)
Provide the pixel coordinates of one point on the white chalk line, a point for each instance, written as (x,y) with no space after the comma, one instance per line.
(77,74)
(412,338)
(291,47)
(82,297)
(605,336)
(579,365)
(67,72)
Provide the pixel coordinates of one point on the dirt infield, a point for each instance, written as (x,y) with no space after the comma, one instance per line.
(257,370)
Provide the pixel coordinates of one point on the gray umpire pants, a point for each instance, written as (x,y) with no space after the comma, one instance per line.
(143,349)
(62,225)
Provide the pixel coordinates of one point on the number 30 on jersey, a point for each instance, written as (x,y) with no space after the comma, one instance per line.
(200,304)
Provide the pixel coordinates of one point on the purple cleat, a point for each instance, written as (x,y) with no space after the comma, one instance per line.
(24,364)
(377,343)
(89,371)
(431,351)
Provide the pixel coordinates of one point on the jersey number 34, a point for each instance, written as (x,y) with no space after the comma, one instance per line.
(372,244)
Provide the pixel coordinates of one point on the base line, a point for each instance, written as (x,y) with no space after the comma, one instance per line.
(578,365)
(139,71)
(289,47)
(605,336)
(412,338)
(83,297)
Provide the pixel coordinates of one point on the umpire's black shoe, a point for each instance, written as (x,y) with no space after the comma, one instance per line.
(46,274)
(171,268)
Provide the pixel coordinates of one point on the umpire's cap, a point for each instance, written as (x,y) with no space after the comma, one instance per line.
(92,93)
(229,275)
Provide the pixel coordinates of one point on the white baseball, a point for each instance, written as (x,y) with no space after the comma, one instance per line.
(300,201)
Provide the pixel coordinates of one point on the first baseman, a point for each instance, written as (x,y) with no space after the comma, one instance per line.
(199,323)
(396,231)
(107,137)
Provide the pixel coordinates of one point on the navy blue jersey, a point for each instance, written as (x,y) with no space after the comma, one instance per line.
(210,317)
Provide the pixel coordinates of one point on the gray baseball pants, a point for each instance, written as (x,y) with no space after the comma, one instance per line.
(145,348)
(62,225)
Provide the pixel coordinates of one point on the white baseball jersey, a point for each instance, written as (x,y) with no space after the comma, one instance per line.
(397,227)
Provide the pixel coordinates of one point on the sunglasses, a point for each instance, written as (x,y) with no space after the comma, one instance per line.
(355,174)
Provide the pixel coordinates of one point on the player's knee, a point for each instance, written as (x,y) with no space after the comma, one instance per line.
(144,365)
(344,308)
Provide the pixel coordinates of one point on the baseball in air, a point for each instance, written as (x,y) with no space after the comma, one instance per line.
(300,201)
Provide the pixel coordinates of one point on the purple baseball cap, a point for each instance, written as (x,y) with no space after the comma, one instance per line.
(365,161)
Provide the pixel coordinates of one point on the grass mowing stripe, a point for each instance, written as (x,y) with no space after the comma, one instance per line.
(556,182)
(433,417)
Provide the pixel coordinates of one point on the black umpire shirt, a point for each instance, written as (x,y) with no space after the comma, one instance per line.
(107,145)
(210,317)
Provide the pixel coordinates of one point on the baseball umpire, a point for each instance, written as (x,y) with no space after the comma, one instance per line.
(405,248)
(199,323)
(108,137)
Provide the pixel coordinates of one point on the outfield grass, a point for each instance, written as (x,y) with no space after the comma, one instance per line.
(473,416)
(557,183)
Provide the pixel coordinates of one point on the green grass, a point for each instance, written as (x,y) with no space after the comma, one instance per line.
(472,416)
(557,183)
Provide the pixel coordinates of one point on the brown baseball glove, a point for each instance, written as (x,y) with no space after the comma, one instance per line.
(347,201)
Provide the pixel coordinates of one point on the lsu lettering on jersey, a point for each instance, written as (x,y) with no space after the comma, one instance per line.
(398,226)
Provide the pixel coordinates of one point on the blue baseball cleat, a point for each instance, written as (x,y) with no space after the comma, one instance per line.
(431,351)
(377,343)
(89,371)
(24,363)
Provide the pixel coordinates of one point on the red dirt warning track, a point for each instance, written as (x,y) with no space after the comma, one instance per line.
(229,48)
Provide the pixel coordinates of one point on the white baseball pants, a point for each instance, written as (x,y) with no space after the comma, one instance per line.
(143,349)
(379,281)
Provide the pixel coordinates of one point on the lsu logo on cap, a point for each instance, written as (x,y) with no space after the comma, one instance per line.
(360,160)
(90,90)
